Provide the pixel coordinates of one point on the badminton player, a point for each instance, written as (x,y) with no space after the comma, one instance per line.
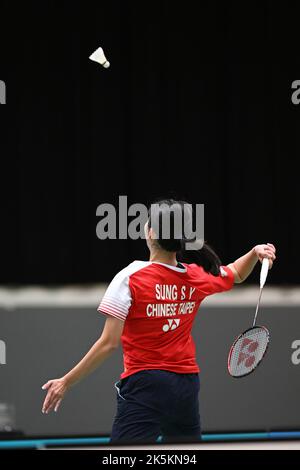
(150,307)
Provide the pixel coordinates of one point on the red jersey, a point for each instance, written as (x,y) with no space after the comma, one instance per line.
(158,304)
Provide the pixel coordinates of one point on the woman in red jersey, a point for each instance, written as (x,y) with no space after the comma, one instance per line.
(150,307)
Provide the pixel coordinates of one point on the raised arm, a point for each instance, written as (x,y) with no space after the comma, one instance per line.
(243,266)
(101,350)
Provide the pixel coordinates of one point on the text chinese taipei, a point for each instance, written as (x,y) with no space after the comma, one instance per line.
(180,298)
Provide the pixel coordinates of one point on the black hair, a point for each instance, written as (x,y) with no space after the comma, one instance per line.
(176,241)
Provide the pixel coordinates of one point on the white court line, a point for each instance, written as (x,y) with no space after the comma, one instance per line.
(268,445)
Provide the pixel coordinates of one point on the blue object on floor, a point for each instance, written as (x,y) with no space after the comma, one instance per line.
(86,441)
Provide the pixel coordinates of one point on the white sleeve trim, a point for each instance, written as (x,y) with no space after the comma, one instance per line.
(117,298)
(223,272)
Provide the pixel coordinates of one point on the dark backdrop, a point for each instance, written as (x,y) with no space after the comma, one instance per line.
(196,104)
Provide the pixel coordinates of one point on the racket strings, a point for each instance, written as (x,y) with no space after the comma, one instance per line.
(247,351)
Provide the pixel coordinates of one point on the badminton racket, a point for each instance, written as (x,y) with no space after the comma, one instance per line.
(250,347)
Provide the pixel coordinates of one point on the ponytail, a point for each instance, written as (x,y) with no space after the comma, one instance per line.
(205,257)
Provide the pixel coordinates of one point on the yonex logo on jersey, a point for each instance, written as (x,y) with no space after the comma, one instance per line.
(248,346)
(171,325)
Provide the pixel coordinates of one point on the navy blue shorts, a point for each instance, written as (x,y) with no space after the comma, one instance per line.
(153,403)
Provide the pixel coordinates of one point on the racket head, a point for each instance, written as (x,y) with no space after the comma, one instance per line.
(247,351)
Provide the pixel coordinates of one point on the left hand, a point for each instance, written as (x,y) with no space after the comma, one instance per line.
(266,251)
(57,389)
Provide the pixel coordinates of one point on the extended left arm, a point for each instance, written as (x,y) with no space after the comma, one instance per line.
(101,350)
(243,266)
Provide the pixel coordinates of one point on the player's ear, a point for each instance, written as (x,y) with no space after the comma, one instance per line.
(151,234)
(146,230)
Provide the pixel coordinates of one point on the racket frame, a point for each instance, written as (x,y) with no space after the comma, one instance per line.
(233,345)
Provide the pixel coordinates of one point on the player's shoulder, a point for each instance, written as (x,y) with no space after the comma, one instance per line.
(195,268)
(132,268)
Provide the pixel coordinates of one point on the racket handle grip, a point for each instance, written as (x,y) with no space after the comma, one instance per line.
(264,272)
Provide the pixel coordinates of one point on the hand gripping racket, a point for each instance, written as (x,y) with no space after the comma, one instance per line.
(249,348)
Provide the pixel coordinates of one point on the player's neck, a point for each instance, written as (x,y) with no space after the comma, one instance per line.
(165,257)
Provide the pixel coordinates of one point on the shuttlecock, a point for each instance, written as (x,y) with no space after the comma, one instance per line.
(99,56)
